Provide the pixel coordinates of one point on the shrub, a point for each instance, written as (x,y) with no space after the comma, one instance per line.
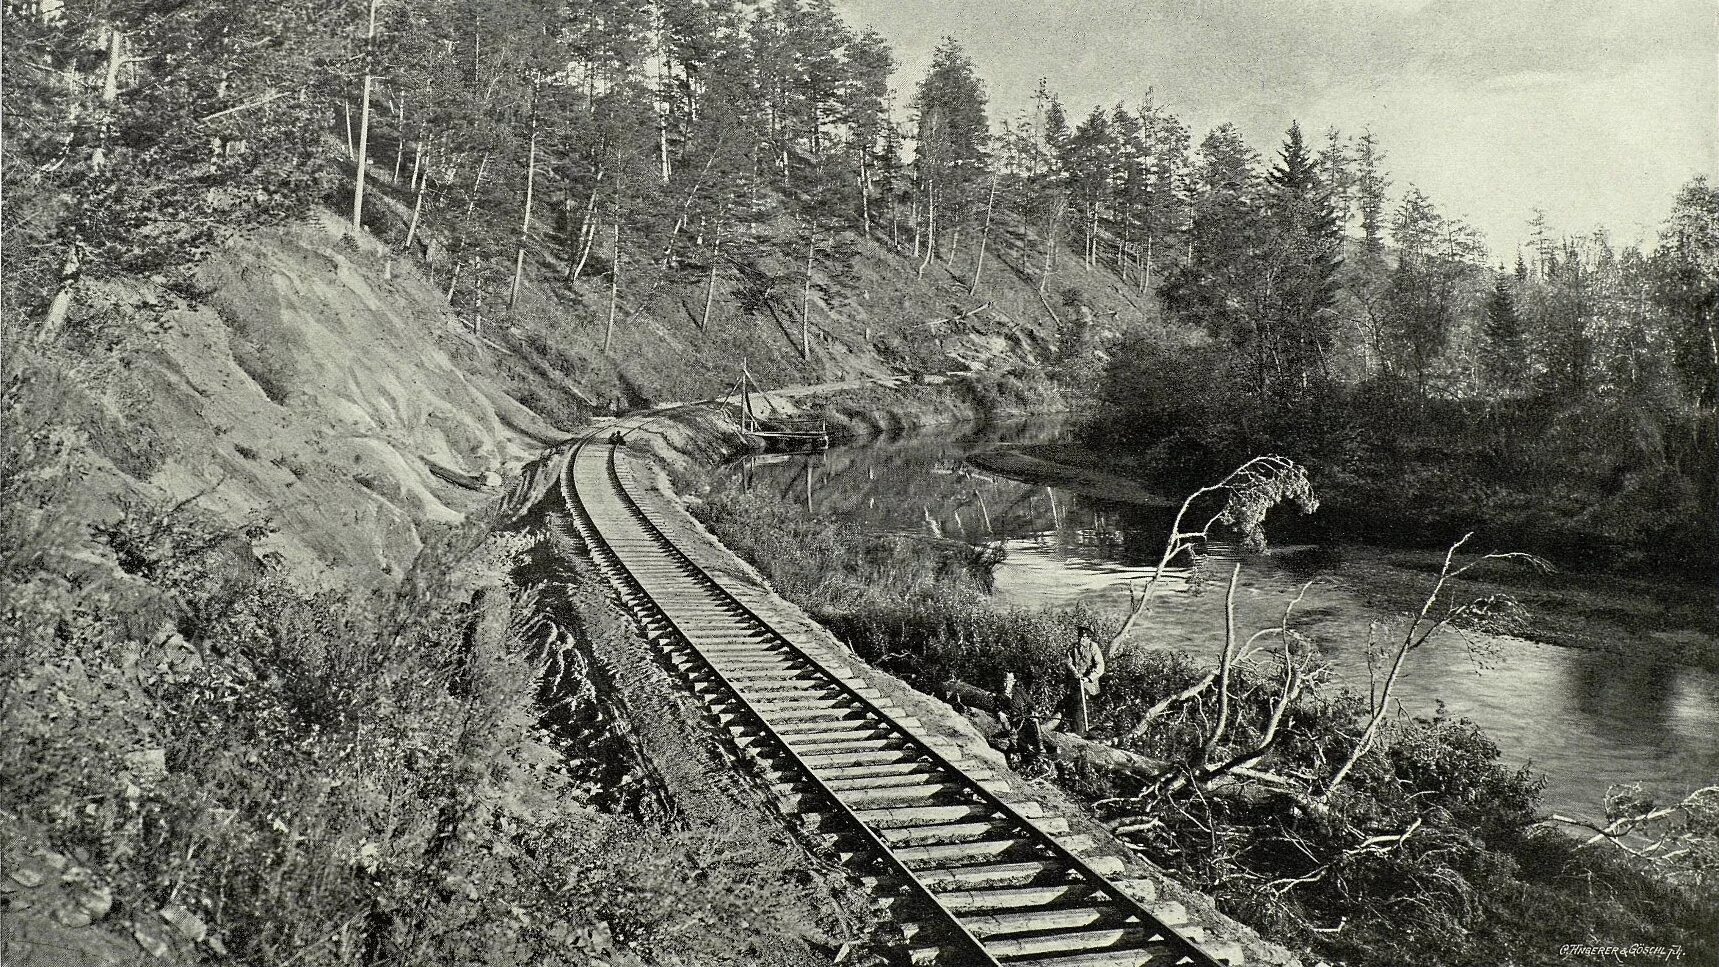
(834,568)
(947,636)
(325,777)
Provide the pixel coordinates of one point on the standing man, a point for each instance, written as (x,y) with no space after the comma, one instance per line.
(1085,668)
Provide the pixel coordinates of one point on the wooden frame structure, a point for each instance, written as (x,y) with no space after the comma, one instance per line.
(776,433)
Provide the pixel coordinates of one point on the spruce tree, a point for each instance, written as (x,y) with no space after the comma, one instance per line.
(1568,317)
(1304,254)
(1504,351)
(1335,164)
(1370,185)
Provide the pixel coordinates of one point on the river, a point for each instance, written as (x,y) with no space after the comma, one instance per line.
(1585,719)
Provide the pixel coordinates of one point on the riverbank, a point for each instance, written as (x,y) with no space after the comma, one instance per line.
(1616,483)
(1044,465)
(1661,618)
(691,436)
(1654,620)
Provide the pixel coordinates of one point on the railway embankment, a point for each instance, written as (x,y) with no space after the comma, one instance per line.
(671,451)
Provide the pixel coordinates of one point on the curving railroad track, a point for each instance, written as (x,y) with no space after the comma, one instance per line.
(988,880)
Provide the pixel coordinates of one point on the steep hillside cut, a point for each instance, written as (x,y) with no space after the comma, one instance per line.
(325,388)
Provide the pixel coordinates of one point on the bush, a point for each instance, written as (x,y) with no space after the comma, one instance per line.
(325,777)
(832,568)
(943,637)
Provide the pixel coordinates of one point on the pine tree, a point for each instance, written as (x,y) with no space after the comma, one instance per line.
(140,135)
(953,136)
(773,80)
(1056,132)
(864,112)
(728,160)
(1128,186)
(699,40)
(1090,161)
(1030,181)
(1055,137)
(1166,202)
(819,40)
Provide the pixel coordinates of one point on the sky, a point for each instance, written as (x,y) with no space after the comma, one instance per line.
(1595,110)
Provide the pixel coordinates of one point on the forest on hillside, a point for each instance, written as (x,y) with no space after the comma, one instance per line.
(627,146)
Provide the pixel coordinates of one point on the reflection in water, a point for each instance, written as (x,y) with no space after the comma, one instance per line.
(1585,719)
(1602,688)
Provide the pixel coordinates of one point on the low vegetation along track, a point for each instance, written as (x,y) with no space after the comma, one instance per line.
(986,880)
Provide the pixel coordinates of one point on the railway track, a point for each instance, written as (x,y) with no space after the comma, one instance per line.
(986,880)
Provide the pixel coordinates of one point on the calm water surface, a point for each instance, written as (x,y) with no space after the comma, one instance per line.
(1584,719)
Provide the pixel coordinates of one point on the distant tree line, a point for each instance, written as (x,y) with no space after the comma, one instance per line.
(1311,276)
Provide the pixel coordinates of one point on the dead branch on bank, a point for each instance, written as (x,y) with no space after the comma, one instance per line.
(1251,490)
(1296,656)
(1493,614)
(1679,839)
